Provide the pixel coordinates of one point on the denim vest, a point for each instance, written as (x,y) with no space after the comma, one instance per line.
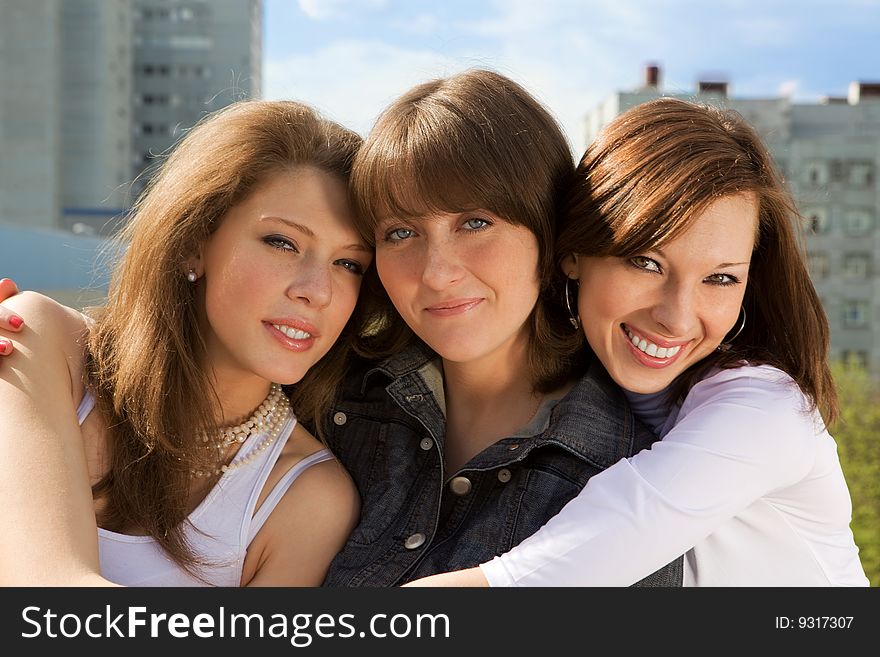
(387,427)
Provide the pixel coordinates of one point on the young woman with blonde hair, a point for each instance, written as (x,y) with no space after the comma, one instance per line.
(157,426)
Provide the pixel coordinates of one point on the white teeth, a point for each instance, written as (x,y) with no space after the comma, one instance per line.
(650,348)
(292,333)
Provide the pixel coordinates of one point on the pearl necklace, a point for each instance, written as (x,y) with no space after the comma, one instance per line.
(269,418)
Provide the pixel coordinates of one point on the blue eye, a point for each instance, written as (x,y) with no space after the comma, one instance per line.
(281,243)
(644,263)
(477,223)
(398,234)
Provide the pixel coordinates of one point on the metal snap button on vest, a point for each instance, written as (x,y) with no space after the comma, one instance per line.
(414,541)
(414,398)
(513,447)
(426,444)
(504,475)
(461,486)
(339,418)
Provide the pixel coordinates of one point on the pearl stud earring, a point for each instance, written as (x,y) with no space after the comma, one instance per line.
(192,276)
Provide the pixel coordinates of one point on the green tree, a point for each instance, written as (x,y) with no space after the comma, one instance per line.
(858,438)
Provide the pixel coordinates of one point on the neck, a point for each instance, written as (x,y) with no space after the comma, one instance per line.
(486,400)
(238,395)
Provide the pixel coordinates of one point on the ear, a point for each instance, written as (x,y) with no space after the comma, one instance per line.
(569,265)
(193,263)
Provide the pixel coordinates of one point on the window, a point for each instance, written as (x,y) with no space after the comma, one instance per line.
(861,174)
(854,358)
(817,220)
(816,173)
(819,264)
(857,265)
(855,314)
(858,221)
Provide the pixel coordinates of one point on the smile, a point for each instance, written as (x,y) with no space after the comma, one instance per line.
(292,333)
(649,347)
(454,307)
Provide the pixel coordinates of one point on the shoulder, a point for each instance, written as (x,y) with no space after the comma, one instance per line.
(309,525)
(326,481)
(45,315)
(53,333)
(755,399)
(764,385)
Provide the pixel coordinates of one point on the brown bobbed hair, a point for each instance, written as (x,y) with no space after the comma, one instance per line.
(656,168)
(145,350)
(474,140)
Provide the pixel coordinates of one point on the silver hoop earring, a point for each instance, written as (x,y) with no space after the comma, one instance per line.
(192,276)
(573,317)
(725,346)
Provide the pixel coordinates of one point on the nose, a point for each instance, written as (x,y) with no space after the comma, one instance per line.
(312,283)
(676,309)
(442,264)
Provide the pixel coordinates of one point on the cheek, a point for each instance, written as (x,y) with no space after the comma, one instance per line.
(392,269)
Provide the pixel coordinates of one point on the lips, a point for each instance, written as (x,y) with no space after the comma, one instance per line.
(293,334)
(454,306)
(654,354)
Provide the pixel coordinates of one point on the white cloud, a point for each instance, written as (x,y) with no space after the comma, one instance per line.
(788,88)
(352,81)
(325,9)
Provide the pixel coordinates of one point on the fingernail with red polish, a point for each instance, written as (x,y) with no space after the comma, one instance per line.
(5,345)
(15,322)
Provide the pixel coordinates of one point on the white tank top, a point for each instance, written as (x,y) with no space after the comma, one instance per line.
(220,529)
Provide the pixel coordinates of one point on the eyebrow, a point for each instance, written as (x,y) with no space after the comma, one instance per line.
(308,232)
(720,265)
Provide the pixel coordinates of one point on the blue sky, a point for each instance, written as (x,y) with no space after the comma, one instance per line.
(350,58)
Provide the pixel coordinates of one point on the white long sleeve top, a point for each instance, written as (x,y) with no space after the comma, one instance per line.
(745,482)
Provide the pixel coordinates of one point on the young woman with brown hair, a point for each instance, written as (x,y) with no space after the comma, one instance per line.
(694,295)
(161,416)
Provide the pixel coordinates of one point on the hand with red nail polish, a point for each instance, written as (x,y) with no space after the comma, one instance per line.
(9,321)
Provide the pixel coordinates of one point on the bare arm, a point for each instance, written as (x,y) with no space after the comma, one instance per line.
(49,534)
(471,577)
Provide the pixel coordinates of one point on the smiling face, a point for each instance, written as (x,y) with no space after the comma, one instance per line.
(465,283)
(280,277)
(651,316)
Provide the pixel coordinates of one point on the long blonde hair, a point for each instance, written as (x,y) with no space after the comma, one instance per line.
(144,350)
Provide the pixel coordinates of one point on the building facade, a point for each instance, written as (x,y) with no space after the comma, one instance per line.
(91,91)
(191,57)
(829,153)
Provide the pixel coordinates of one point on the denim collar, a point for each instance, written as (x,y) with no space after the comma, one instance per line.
(593,420)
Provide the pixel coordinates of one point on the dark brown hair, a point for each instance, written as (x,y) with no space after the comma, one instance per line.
(657,167)
(475,140)
(143,355)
